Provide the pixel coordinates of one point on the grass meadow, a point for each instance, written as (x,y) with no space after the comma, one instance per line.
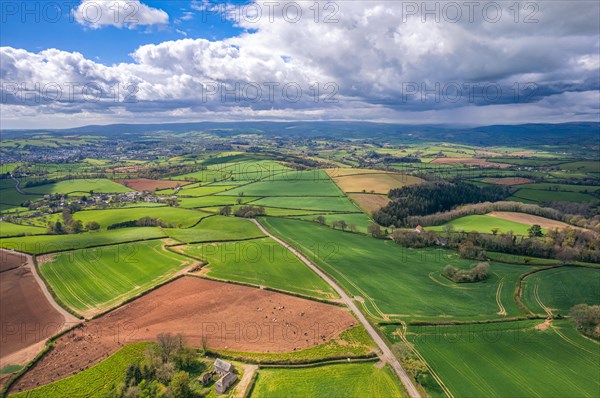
(261,262)
(394,282)
(343,380)
(95,279)
(40,244)
(510,359)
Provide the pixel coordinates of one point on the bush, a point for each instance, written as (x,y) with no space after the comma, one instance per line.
(477,273)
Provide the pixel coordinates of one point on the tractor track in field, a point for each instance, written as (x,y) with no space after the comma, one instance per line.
(387,354)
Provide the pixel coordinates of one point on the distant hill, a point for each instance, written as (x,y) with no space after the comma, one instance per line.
(521,135)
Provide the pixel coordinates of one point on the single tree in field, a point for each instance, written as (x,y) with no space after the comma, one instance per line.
(225,211)
(320,220)
(375,230)
(535,231)
(495,231)
(92,226)
(342,224)
(167,344)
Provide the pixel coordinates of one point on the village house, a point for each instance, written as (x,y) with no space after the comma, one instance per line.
(225,382)
(222,367)
(419,229)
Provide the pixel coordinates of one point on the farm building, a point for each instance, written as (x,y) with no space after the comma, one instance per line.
(225,382)
(205,379)
(222,367)
(419,229)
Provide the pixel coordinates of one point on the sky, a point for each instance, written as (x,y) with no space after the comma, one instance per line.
(70,63)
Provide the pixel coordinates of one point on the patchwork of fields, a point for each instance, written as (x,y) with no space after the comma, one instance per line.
(476,340)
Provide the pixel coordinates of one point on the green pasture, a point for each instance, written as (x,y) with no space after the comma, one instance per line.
(8,229)
(262,262)
(393,282)
(96,279)
(360,220)
(559,289)
(40,244)
(538,195)
(510,359)
(171,215)
(292,187)
(217,228)
(323,204)
(484,224)
(340,380)
(98,185)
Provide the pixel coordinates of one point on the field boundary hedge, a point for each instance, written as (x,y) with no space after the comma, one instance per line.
(293,363)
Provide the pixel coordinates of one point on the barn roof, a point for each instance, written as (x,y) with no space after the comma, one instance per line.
(222,365)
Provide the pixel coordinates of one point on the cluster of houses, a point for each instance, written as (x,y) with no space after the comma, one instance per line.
(225,373)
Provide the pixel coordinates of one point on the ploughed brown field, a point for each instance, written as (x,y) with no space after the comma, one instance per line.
(27,316)
(145,184)
(369,202)
(228,316)
(10,260)
(530,219)
(471,162)
(375,183)
(508,181)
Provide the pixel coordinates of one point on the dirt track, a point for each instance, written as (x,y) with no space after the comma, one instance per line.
(230,316)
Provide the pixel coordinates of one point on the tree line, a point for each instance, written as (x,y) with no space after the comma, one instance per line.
(487,207)
(565,245)
(433,197)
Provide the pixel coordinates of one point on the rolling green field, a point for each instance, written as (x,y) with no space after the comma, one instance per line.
(40,244)
(360,220)
(510,359)
(339,204)
(561,288)
(400,283)
(180,218)
(581,166)
(92,280)
(261,262)
(95,381)
(98,185)
(208,201)
(345,380)
(269,211)
(538,195)
(292,187)
(204,190)
(8,229)
(216,228)
(545,186)
(484,224)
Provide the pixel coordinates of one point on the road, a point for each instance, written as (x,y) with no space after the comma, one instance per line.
(387,354)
